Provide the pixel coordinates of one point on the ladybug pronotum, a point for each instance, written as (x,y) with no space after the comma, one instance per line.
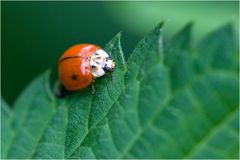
(81,64)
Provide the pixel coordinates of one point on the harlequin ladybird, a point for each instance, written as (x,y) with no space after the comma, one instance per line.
(81,64)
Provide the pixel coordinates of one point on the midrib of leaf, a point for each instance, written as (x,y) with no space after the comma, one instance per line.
(214,130)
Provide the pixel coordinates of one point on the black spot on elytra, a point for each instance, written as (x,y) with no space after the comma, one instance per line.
(74,77)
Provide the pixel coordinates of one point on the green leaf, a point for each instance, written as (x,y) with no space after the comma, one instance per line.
(32,114)
(172,101)
(6,128)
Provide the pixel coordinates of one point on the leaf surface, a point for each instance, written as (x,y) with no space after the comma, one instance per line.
(166,101)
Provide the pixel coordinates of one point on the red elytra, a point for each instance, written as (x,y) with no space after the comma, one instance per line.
(74,68)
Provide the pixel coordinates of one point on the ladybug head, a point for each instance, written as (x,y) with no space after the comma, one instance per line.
(109,64)
(101,63)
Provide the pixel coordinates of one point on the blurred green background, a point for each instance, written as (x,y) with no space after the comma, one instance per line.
(35,34)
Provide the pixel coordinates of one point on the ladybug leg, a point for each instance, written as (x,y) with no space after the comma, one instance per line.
(93,87)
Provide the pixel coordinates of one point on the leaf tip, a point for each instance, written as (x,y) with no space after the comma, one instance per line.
(182,39)
(185,30)
(158,28)
(114,41)
(119,35)
(115,44)
(228,28)
(117,39)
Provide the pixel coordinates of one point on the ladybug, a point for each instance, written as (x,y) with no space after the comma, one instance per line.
(81,64)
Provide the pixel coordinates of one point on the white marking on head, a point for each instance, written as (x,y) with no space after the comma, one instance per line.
(102,53)
(98,72)
(101,63)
